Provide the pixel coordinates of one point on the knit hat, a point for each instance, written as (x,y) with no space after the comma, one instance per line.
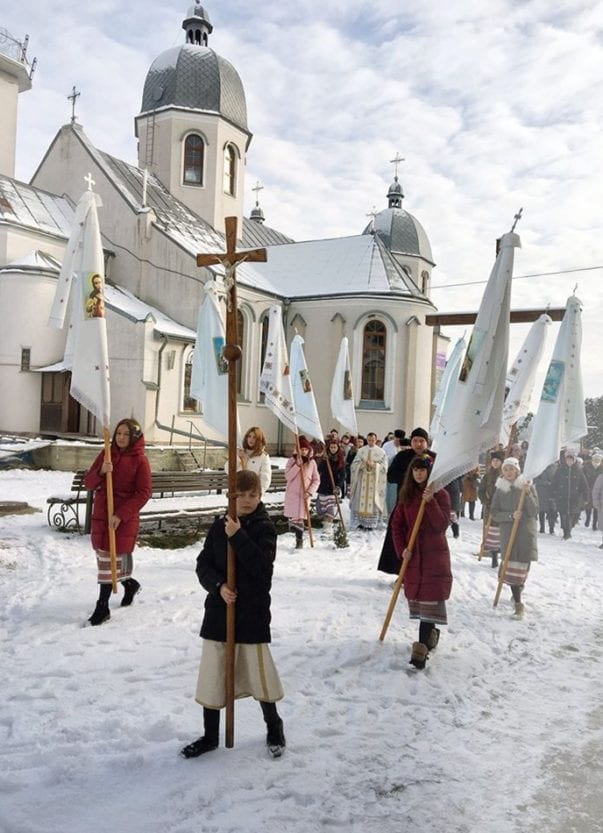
(399,434)
(498,455)
(419,432)
(597,459)
(512,461)
(570,453)
(303,442)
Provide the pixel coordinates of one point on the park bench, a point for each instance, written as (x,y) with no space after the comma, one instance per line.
(64,510)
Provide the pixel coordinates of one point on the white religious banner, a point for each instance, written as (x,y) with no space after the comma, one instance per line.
(522,375)
(342,396)
(209,373)
(306,412)
(275,379)
(561,416)
(80,295)
(446,387)
(473,421)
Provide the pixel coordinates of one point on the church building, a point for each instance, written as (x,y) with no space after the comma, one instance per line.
(156,216)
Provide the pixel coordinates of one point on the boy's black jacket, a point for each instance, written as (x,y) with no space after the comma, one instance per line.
(255,549)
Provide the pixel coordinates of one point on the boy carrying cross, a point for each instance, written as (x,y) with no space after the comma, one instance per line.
(253,538)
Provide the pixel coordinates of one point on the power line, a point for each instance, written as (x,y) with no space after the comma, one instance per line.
(521,277)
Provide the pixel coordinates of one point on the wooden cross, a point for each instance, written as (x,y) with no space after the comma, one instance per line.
(75,94)
(232,353)
(516,218)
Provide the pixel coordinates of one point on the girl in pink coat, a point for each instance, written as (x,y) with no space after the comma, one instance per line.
(302,481)
(132,486)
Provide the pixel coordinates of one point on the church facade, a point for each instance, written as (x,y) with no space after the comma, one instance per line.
(156,216)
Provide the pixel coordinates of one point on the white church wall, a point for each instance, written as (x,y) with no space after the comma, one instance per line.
(29,297)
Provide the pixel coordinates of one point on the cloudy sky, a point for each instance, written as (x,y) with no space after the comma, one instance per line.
(494,106)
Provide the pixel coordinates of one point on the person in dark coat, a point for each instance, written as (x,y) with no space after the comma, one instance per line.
(546,498)
(428,577)
(330,489)
(592,469)
(571,492)
(419,438)
(454,489)
(485,491)
(132,487)
(505,511)
(253,538)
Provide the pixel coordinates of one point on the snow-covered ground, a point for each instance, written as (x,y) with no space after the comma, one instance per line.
(503,732)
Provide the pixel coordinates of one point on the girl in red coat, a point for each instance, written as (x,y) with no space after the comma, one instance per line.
(428,579)
(131,489)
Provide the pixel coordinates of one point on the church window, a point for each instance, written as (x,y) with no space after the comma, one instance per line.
(230,170)
(189,404)
(372,386)
(263,347)
(194,151)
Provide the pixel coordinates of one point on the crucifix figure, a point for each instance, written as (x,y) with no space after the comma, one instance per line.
(232,354)
(75,94)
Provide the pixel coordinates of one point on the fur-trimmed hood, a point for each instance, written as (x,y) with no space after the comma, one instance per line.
(505,485)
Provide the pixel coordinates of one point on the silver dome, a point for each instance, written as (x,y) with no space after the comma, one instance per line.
(195,78)
(401,233)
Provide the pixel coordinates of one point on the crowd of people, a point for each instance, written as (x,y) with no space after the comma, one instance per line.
(387,486)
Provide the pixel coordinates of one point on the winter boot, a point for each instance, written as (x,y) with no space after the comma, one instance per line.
(494,559)
(275,736)
(519,611)
(131,588)
(101,614)
(419,655)
(433,639)
(299,539)
(209,741)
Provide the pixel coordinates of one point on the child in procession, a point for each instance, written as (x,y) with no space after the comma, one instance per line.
(428,577)
(505,511)
(253,539)
(132,488)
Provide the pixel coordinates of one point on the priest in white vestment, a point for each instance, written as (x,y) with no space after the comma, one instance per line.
(367,485)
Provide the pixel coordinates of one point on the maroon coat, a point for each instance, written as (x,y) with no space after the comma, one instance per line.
(132,487)
(428,577)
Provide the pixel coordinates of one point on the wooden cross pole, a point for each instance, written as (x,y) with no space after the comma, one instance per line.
(232,354)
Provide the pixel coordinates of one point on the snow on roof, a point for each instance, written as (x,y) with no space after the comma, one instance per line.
(37,261)
(339,266)
(24,205)
(124,303)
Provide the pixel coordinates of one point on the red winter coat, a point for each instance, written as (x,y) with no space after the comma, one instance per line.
(132,487)
(428,577)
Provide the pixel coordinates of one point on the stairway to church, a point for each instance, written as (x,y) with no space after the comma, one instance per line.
(187,459)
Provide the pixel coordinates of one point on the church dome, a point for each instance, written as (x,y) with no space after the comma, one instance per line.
(193,77)
(401,233)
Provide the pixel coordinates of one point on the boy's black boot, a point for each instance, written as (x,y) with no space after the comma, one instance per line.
(101,614)
(209,741)
(131,588)
(299,539)
(275,736)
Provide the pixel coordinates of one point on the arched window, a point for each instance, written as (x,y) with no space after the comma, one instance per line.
(374,345)
(230,170)
(189,405)
(263,345)
(194,151)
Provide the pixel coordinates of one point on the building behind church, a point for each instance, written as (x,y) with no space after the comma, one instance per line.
(156,216)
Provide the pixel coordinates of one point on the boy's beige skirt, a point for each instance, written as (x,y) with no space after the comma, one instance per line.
(255,674)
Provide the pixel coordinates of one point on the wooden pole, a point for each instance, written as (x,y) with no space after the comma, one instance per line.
(405,562)
(513,535)
(110,510)
(232,354)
